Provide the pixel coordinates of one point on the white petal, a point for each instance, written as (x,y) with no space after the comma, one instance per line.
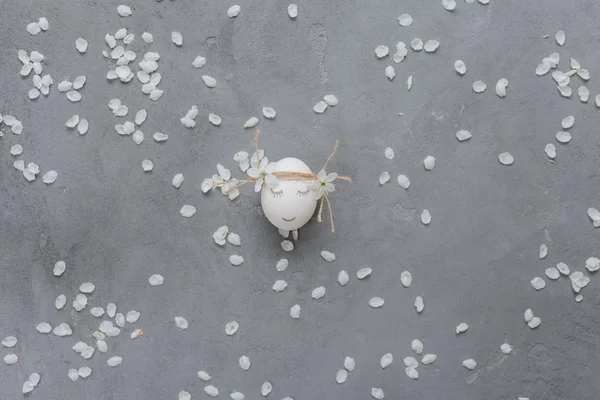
(479,86)
(428,359)
(382,51)
(73,96)
(390,73)
(147,165)
(411,372)
(293,11)
(177,38)
(199,62)
(205,376)
(147,37)
(534,323)
(463,135)
(406,278)
(320,107)
(114,361)
(9,341)
(584,94)
(237,396)
(389,153)
(560,38)
(538,283)
(469,364)
(209,81)
(331,100)
(403,181)
(33,28)
(563,137)
(501,87)
(462,327)
(11,359)
(287,245)
(245,363)
(59,268)
(567,122)
(43,327)
(386,360)
(377,393)
(83,126)
(251,123)
(419,304)
(460,67)
(583,74)
(318,293)
(16,150)
(64,86)
(429,163)
(543,251)
(506,348)
(206,185)
(416,44)
(269,112)
(376,302)
(62,329)
(236,260)
(79,82)
(592,264)
(231,328)
(565,91)
(328,256)
(295,311)
(364,272)
(449,5)
(552,273)
(506,158)
(156,280)
(349,364)
(279,285)
(214,119)
(160,137)
(426,217)
(60,301)
(87,287)
(141,116)
(132,316)
(233,11)
(405,20)
(211,391)
(431,46)
(181,323)
(550,150)
(417,346)
(73,374)
(97,311)
(282,265)
(343,278)
(156,94)
(528,315)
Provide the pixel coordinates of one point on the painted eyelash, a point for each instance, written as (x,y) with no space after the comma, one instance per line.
(303,194)
(276,194)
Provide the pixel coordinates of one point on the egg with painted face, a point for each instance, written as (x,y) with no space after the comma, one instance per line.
(291,205)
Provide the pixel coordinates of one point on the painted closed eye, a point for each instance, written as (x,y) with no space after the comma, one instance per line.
(303,193)
(276,194)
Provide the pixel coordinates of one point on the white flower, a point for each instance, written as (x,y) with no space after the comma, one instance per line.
(263,173)
(323,184)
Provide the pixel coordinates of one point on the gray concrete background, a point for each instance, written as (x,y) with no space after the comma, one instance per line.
(115,226)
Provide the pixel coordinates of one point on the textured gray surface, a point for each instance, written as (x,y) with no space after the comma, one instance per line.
(115,226)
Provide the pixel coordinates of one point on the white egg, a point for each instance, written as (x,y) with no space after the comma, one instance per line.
(292,204)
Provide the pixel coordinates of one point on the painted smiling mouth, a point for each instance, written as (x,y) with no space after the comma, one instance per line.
(288,220)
